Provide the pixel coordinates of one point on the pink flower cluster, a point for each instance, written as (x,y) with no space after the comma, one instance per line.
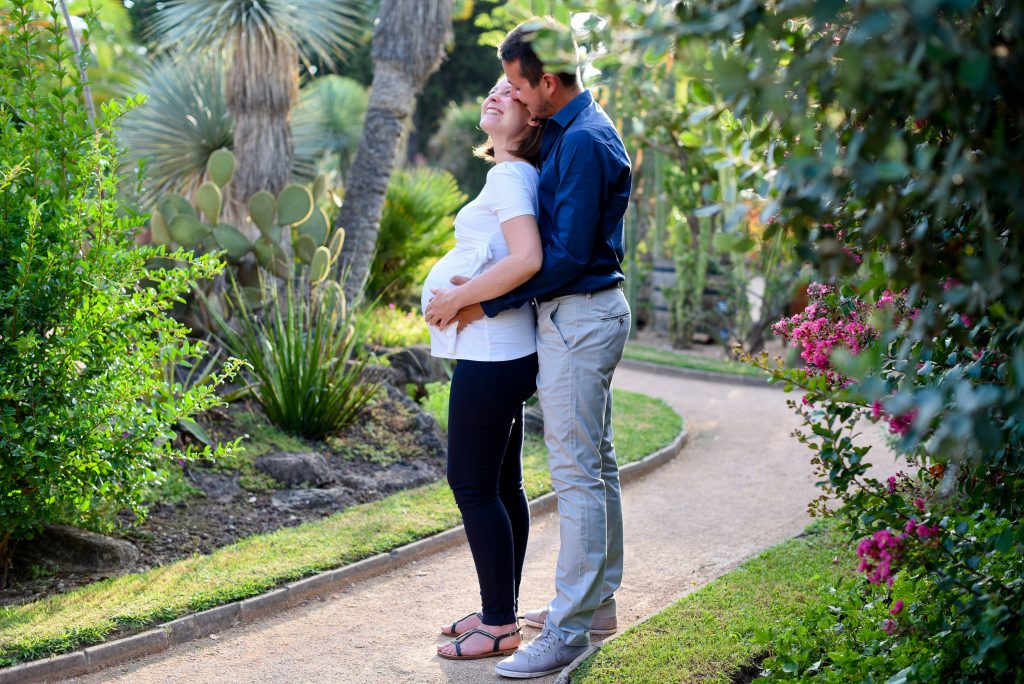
(882,551)
(898,425)
(878,553)
(923,532)
(822,327)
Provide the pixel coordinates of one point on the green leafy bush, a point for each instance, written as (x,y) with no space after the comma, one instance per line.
(436,402)
(901,185)
(415,230)
(85,412)
(393,326)
(306,369)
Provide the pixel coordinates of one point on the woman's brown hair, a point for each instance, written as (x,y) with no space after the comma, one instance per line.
(527,150)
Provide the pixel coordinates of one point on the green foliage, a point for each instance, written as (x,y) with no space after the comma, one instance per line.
(327,127)
(436,402)
(306,369)
(451,146)
(393,326)
(85,412)
(900,156)
(415,229)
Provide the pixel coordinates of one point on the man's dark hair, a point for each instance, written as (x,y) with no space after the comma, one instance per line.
(517,47)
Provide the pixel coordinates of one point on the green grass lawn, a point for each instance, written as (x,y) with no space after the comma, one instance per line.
(667,357)
(711,634)
(257,564)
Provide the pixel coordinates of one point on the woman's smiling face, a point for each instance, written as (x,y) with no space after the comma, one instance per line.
(502,114)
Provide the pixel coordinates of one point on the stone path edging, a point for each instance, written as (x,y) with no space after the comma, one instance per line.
(694,374)
(198,625)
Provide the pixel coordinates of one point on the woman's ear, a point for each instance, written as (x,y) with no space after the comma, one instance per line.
(533,122)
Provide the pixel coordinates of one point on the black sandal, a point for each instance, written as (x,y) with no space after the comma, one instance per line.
(495,651)
(451,631)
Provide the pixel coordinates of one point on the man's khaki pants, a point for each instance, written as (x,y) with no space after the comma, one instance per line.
(579,342)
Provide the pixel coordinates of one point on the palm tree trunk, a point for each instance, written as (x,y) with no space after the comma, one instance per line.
(262,87)
(408,44)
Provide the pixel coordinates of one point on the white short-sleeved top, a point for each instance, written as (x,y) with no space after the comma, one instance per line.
(510,191)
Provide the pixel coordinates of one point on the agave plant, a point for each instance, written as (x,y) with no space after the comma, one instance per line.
(185,119)
(264,39)
(327,126)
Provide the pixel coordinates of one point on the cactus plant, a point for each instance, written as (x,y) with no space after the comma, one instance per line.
(221,167)
(209,201)
(292,216)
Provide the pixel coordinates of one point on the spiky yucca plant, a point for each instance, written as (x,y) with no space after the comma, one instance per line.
(265,40)
(185,119)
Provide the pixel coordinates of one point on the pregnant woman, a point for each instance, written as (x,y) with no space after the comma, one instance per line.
(498,246)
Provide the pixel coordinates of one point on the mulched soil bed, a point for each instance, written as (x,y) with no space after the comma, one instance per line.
(394,446)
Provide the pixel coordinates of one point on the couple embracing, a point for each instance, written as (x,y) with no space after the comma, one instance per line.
(537,306)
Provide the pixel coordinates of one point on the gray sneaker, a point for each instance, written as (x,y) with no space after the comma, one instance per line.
(543,656)
(603,623)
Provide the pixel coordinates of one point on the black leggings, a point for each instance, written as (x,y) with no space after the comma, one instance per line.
(485,471)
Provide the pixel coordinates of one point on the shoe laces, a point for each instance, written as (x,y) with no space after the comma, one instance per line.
(542,644)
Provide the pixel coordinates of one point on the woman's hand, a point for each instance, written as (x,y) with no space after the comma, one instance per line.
(443,307)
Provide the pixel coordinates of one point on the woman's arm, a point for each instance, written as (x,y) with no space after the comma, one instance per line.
(524,259)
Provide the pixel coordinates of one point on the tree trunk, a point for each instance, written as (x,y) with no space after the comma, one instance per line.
(408,43)
(262,87)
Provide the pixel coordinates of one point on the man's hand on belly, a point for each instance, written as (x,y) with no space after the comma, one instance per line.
(466,315)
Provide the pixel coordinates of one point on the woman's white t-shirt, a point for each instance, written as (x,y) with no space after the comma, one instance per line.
(510,191)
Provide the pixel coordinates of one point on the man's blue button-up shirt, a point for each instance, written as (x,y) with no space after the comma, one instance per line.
(582,196)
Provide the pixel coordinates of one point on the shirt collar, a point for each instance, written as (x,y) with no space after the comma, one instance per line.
(566,114)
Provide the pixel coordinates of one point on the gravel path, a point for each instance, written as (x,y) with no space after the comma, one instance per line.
(740,486)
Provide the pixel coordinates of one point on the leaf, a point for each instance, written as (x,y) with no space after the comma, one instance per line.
(689,139)
(700,92)
(193,428)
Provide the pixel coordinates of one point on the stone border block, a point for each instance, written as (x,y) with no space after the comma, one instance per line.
(264,604)
(364,569)
(49,670)
(202,624)
(115,652)
(429,546)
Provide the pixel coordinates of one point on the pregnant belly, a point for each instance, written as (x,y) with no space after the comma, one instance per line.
(457,262)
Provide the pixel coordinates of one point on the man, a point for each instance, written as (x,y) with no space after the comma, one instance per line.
(583,323)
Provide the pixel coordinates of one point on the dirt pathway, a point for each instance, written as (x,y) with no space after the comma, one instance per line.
(741,485)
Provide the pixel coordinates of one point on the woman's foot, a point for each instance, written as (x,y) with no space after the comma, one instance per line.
(462,625)
(479,644)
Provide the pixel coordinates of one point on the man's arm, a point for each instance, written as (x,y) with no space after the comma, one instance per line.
(576,214)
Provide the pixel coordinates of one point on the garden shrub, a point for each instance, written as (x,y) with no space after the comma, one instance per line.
(904,187)
(415,230)
(394,326)
(85,413)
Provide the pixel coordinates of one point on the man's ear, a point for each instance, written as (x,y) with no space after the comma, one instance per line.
(550,83)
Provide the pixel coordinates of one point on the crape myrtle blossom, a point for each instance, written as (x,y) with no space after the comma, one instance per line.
(829,323)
